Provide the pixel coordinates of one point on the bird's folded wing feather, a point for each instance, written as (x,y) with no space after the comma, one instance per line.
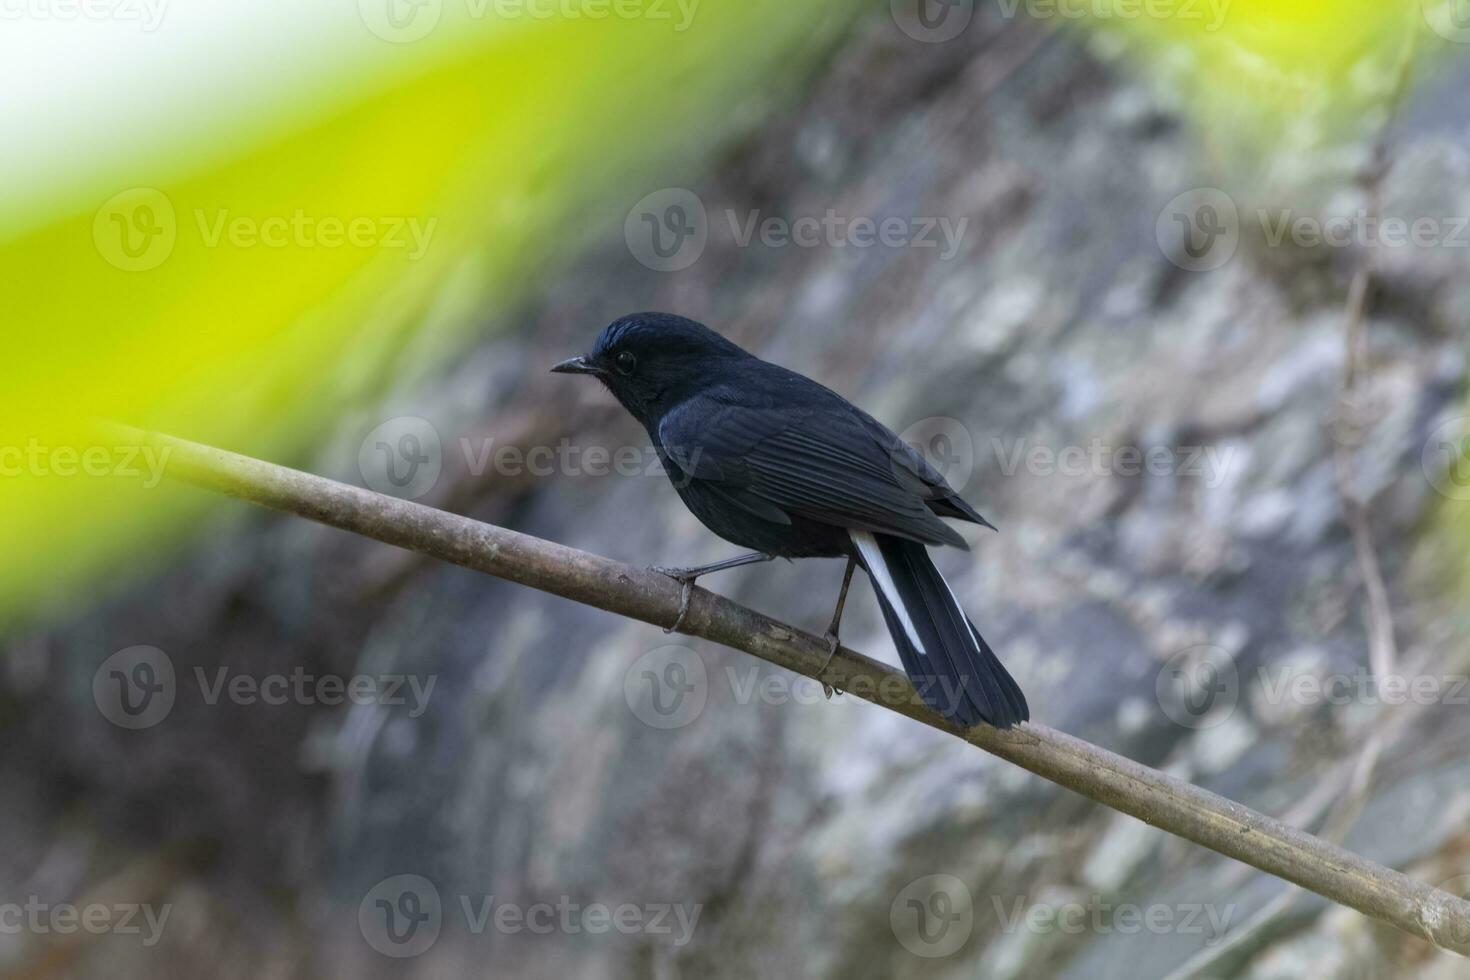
(823,465)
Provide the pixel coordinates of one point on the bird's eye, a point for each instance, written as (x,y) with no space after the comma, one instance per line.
(626,362)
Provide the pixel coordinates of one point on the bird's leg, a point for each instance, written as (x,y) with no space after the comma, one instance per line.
(700,571)
(831,634)
(687,577)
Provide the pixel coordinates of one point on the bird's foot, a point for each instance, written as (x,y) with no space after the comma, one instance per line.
(832,645)
(686,578)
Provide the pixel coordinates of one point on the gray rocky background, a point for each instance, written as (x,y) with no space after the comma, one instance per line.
(1156,604)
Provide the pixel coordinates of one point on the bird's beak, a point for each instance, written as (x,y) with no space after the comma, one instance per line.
(576,365)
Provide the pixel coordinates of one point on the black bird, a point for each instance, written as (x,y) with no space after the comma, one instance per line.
(772,461)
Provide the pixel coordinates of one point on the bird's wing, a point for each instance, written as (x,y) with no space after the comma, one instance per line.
(917,472)
(817,462)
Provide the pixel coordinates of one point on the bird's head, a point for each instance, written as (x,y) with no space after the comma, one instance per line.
(652,361)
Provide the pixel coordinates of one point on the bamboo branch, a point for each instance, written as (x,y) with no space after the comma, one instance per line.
(638,593)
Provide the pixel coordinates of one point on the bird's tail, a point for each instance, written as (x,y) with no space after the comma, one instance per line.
(953,668)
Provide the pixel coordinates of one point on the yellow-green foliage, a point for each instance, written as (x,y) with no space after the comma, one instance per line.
(500,133)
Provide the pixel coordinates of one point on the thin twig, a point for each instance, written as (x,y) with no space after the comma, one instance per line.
(1122,784)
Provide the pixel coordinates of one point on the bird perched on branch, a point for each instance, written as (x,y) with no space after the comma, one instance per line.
(772,461)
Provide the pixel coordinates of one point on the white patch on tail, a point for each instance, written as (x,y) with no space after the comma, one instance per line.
(979,644)
(883,579)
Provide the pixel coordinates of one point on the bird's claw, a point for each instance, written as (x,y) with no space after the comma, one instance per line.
(832,645)
(682,576)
